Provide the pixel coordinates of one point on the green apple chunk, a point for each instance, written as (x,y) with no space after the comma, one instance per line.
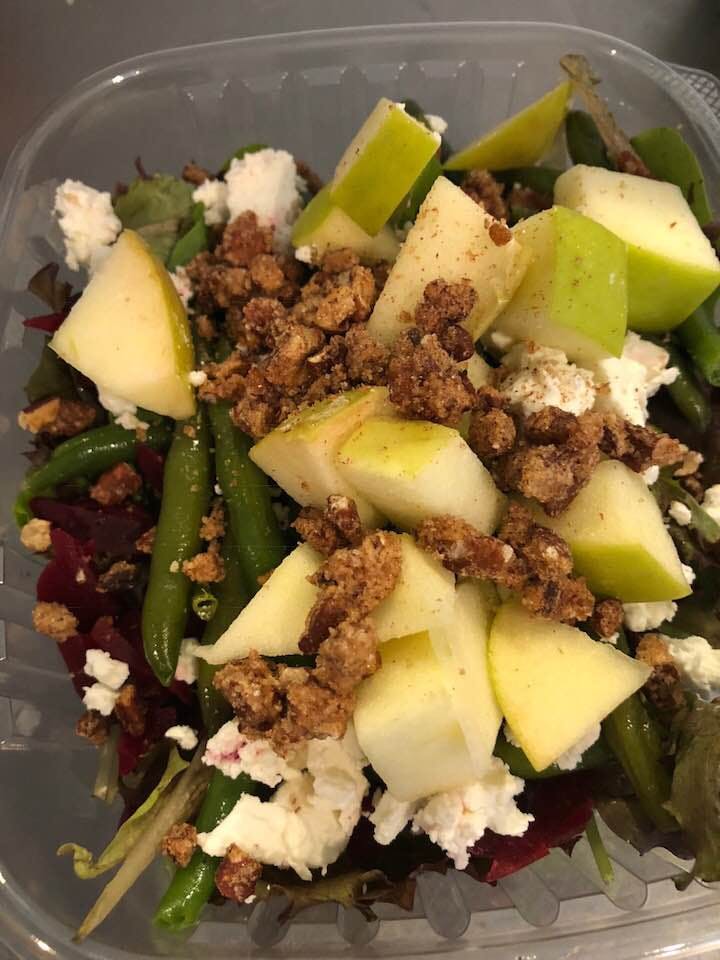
(554,683)
(129,332)
(403,466)
(300,454)
(672,266)
(619,542)
(324,226)
(406,725)
(274,619)
(574,294)
(450,240)
(461,647)
(521,140)
(380,164)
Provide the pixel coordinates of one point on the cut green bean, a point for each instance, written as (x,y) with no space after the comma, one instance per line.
(192,886)
(85,456)
(701,339)
(584,142)
(685,392)
(186,497)
(204,604)
(595,756)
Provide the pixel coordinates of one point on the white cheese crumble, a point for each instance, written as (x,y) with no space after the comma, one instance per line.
(305,254)
(185,737)
(501,341)
(648,616)
(307,822)
(122,411)
(699,664)
(651,475)
(102,667)
(572,756)
(612,639)
(233,754)
(267,183)
(510,736)
(186,670)
(391,816)
(437,124)
(680,513)
(626,383)
(536,377)
(458,818)
(88,223)
(688,573)
(213,194)
(183,285)
(101,698)
(197,378)
(711,502)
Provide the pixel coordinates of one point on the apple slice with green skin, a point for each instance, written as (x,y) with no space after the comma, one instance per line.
(672,266)
(574,293)
(461,647)
(380,165)
(129,332)
(521,140)
(324,226)
(618,540)
(406,726)
(273,621)
(553,682)
(402,467)
(450,240)
(300,454)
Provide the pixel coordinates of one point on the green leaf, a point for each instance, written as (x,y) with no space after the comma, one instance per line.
(669,158)
(156,208)
(695,794)
(86,866)
(600,855)
(667,489)
(51,378)
(192,242)
(46,287)
(240,153)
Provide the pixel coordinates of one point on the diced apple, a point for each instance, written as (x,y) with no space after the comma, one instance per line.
(129,332)
(450,240)
(461,647)
(381,163)
(619,542)
(672,266)
(423,598)
(274,619)
(300,454)
(574,293)
(521,140)
(406,726)
(403,466)
(324,226)
(553,682)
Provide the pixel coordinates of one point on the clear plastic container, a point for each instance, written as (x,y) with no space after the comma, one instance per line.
(306,92)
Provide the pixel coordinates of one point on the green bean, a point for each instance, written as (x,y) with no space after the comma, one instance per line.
(247,496)
(186,496)
(668,157)
(232,595)
(204,604)
(407,210)
(635,740)
(584,143)
(192,886)
(701,338)
(685,392)
(86,455)
(597,755)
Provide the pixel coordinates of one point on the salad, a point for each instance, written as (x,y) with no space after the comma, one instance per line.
(381,516)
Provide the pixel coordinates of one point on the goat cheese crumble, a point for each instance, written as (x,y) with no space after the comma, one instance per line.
(688,573)
(187,665)
(88,223)
(699,664)
(123,412)
(266,182)
(536,377)
(711,502)
(185,737)
(307,822)
(183,285)
(101,698)
(458,818)
(102,667)
(680,513)
(640,617)
(651,475)
(626,383)
(212,194)
(305,254)
(437,124)
(391,816)
(572,756)
(233,754)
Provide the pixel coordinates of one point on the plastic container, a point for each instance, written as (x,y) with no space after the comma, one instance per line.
(306,92)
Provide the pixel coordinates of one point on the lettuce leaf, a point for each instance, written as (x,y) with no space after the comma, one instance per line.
(156,208)
(84,863)
(695,794)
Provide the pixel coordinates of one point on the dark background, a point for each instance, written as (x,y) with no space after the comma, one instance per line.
(48,45)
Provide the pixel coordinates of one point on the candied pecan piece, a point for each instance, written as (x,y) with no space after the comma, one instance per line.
(120,576)
(212,527)
(93,726)
(313,181)
(205,327)
(315,711)
(225,379)
(131,710)
(662,687)
(546,554)
(252,690)
(266,272)
(194,173)
(463,549)
(347,656)
(607,617)
(258,324)
(366,359)
(565,599)
(237,875)
(287,368)
(146,541)
(443,304)
(54,620)
(338,525)
(229,285)
(116,484)
(339,261)
(492,434)
(207,567)
(639,447)
(57,417)
(179,843)
(35,535)
(483,188)
(550,474)
(335,310)
(244,239)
